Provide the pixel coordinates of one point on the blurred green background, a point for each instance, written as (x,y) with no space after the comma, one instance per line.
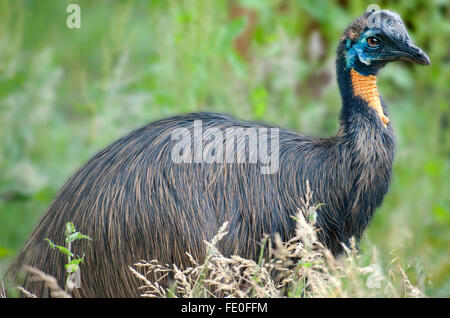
(67,93)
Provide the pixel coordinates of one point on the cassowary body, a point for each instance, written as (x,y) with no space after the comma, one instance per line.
(136,203)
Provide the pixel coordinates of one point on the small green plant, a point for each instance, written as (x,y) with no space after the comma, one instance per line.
(72,265)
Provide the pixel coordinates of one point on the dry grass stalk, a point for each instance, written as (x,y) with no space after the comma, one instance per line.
(26,293)
(3,291)
(55,290)
(301,267)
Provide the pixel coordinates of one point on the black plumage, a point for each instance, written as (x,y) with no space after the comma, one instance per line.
(136,203)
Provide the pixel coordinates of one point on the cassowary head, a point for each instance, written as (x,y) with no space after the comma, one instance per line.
(376,38)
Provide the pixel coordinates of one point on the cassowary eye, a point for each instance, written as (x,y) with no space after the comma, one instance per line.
(373,42)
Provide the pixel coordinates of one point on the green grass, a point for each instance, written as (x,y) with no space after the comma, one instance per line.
(67,93)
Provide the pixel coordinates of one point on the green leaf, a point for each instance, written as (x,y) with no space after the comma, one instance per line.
(77,236)
(77,261)
(52,245)
(71,268)
(70,228)
(82,236)
(72,237)
(64,250)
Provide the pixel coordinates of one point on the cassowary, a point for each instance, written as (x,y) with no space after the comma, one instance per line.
(162,190)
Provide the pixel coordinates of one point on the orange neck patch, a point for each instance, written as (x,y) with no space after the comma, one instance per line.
(365,86)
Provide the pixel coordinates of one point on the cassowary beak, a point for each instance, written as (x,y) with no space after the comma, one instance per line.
(411,53)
